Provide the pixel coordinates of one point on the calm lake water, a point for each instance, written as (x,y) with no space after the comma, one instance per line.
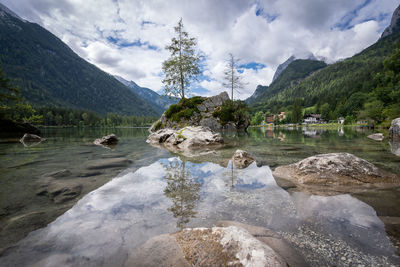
(155,192)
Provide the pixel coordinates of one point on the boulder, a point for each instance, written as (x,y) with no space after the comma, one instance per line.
(31,140)
(186,140)
(394,130)
(242,159)
(337,169)
(232,245)
(107,140)
(376,136)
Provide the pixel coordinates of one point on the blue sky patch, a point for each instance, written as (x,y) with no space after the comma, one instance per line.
(122,43)
(252,65)
(346,21)
(260,12)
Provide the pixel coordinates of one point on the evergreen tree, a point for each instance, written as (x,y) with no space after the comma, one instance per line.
(9,95)
(184,64)
(297,113)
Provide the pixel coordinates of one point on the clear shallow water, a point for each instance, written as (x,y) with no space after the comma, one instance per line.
(161,193)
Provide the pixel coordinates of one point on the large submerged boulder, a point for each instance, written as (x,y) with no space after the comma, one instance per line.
(216,112)
(336,169)
(394,130)
(186,140)
(230,244)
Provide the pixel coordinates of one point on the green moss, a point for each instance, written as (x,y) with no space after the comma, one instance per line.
(184,109)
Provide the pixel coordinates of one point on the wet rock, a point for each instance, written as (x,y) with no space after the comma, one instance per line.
(108,163)
(186,140)
(218,246)
(108,140)
(242,159)
(342,169)
(394,130)
(376,136)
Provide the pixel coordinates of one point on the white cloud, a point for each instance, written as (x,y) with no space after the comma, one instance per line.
(334,29)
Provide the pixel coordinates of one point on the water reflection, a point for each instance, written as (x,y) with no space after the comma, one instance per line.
(104,227)
(183,192)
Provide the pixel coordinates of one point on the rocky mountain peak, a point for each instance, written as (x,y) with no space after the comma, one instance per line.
(394,24)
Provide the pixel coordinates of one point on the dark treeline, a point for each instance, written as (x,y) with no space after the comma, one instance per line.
(53,116)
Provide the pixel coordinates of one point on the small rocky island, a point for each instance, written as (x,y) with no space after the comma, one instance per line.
(216,112)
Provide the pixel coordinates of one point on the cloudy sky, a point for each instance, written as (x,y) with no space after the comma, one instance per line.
(128,37)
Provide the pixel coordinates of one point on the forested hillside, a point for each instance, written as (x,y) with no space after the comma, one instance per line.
(363,86)
(49,73)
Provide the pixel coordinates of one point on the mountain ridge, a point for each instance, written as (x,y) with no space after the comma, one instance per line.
(49,73)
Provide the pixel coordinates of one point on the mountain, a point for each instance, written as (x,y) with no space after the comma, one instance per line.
(159,102)
(394,24)
(49,73)
(345,88)
(284,65)
(296,70)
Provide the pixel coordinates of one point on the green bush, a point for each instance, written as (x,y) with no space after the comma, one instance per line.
(184,109)
(232,111)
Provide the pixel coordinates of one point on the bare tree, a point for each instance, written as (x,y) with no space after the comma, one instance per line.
(184,64)
(233,80)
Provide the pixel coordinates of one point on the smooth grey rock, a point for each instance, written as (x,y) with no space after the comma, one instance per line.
(108,163)
(242,159)
(376,136)
(335,169)
(107,140)
(211,122)
(394,130)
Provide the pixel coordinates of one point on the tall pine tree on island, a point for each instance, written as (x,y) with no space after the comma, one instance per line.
(184,64)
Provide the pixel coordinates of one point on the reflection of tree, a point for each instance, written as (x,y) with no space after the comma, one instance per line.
(232,177)
(183,191)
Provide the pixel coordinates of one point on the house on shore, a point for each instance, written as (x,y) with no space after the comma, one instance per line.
(340,120)
(312,118)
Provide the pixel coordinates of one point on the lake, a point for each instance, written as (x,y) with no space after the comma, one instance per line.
(134,191)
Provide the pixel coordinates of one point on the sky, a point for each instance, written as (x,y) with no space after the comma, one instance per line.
(128,37)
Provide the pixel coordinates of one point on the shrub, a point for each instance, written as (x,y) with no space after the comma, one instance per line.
(232,111)
(184,109)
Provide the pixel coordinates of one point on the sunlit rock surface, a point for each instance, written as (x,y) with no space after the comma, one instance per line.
(191,140)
